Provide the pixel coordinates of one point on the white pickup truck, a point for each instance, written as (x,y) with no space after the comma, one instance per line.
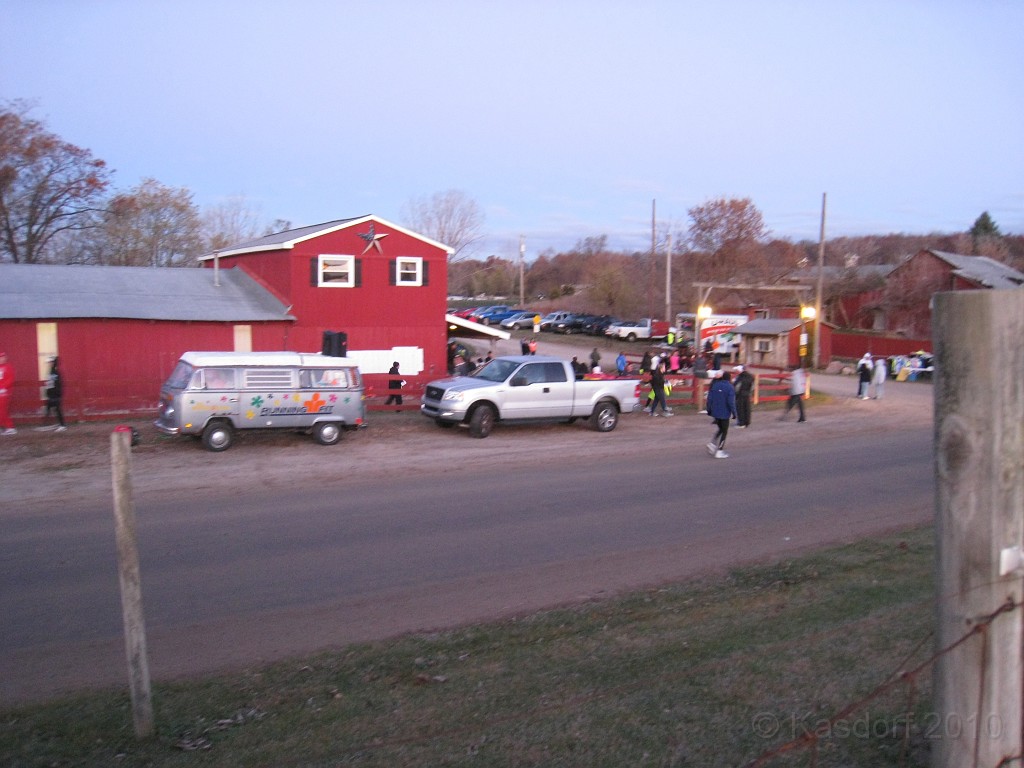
(647,328)
(522,388)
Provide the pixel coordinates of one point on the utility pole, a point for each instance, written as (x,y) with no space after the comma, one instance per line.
(668,281)
(650,292)
(522,256)
(979,528)
(817,296)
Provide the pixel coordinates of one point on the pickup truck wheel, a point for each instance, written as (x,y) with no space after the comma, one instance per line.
(605,416)
(482,421)
(218,436)
(327,432)
(630,337)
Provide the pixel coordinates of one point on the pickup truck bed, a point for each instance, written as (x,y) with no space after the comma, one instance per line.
(523,388)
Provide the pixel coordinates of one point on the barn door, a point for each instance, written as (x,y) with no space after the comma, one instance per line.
(46,350)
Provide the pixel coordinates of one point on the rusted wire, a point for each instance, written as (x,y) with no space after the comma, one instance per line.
(809,740)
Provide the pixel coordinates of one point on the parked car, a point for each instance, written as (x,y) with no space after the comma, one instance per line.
(520,388)
(480,313)
(211,395)
(571,324)
(495,316)
(598,324)
(551,318)
(519,320)
(647,328)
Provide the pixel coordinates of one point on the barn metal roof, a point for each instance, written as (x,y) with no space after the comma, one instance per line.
(49,291)
(291,237)
(767,327)
(982,270)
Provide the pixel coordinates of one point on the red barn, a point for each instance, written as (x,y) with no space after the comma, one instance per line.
(382,285)
(119,330)
(906,299)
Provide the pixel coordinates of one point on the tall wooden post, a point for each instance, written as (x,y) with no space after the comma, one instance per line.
(131,583)
(979,441)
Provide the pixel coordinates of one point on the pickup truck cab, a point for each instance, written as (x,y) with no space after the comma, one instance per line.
(523,388)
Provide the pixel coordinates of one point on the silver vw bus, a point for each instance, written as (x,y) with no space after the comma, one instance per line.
(212,394)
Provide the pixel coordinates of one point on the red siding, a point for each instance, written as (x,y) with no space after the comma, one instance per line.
(113,367)
(375,315)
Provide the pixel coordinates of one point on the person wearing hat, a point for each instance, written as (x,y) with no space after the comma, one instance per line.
(864,367)
(744,386)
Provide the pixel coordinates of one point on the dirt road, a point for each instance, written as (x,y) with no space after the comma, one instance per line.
(44,471)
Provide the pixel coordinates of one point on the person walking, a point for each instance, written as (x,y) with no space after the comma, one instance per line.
(658,391)
(55,394)
(595,360)
(864,374)
(722,407)
(621,364)
(394,386)
(797,385)
(878,376)
(6,389)
(744,387)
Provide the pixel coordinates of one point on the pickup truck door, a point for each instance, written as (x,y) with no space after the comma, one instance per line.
(540,390)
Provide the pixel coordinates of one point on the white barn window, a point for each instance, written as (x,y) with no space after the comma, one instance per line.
(409,271)
(336,271)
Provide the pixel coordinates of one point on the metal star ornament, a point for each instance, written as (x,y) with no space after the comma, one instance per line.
(372,240)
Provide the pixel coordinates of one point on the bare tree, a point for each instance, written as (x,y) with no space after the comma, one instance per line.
(47,186)
(230,222)
(152,225)
(731,232)
(450,218)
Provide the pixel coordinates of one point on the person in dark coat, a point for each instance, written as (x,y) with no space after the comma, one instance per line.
(721,407)
(54,395)
(394,386)
(658,391)
(744,386)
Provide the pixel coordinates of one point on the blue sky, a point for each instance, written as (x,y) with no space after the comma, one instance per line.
(562,120)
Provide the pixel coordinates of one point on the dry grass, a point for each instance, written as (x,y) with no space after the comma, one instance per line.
(706,673)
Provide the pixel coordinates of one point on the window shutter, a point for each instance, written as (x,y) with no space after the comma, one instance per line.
(359,273)
(314,272)
(393,272)
(426,273)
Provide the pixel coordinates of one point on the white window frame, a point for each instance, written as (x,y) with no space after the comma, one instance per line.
(413,264)
(328,261)
(763,345)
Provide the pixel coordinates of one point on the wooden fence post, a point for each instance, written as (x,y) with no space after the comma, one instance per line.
(979,455)
(131,584)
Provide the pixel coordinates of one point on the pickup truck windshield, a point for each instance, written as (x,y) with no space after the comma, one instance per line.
(496,370)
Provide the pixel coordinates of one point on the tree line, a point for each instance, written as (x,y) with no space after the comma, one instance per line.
(57,206)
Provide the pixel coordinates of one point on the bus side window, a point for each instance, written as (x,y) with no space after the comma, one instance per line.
(332,378)
(306,379)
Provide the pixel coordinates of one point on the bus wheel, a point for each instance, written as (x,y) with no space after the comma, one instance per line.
(218,436)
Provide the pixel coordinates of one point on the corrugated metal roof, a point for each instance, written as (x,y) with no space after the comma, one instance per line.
(768,327)
(287,238)
(982,270)
(291,237)
(48,291)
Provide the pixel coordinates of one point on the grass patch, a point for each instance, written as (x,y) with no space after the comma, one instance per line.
(703,673)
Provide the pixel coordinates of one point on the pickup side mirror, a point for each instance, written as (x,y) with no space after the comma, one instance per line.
(519,381)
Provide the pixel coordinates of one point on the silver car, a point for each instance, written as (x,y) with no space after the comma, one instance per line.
(519,321)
